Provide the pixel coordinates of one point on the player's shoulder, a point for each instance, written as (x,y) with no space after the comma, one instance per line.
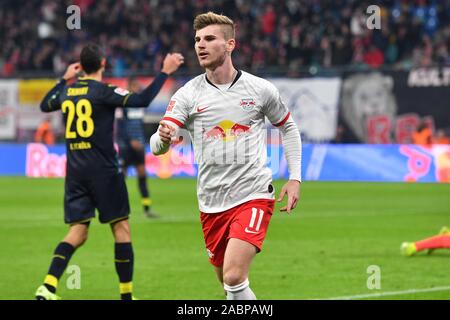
(109,85)
(89,82)
(188,91)
(95,84)
(260,84)
(91,86)
(195,82)
(78,88)
(111,88)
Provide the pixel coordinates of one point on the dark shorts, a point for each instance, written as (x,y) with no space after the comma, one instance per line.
(131,157)
(107,194)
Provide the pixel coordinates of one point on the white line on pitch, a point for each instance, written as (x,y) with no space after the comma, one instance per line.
(388,293)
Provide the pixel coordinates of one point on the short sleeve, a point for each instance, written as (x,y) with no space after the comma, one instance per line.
(178,108)
(274,108)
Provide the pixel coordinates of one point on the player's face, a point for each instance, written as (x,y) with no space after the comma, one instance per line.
(211,47)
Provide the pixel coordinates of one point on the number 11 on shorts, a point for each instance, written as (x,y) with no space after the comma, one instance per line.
(251,227)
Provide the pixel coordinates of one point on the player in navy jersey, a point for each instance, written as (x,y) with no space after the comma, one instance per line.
(93,177)
(131,141)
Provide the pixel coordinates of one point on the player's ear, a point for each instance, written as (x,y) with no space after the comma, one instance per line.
(231,44)
(103,63)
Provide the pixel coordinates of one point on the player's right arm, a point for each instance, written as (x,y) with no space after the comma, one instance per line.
(176,115)
(161,140)
(51,101)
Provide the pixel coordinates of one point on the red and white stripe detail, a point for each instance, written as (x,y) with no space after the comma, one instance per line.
(173,120)
(279,124)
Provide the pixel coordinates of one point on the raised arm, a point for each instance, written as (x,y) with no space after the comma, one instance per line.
(141,100)
(51,100)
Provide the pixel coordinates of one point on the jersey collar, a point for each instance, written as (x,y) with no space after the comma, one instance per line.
(238,75)
(87,78)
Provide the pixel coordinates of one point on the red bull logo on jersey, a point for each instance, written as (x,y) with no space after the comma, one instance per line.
(247,104)
(226,130)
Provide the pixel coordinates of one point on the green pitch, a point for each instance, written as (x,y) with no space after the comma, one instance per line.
(323,250)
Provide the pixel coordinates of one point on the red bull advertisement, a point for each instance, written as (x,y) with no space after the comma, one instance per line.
(321,162)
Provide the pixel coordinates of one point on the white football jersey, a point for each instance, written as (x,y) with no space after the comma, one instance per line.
(227,128)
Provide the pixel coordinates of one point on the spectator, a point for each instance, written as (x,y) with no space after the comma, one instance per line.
(391,53)
(44,133)
(268,20)
(281,34)
(374,57)
(441,137)
(422,136)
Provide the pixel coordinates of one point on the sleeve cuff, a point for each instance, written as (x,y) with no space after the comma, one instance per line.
(173,120)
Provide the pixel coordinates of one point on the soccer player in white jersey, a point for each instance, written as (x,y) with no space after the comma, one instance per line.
(224,112)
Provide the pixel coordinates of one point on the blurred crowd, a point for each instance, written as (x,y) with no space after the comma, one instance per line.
(271,34)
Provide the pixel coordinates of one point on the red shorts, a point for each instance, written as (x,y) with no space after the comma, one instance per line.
(248,221)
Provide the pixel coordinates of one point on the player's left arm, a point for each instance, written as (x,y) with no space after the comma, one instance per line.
(279,115)
(51,101)
(292,146)
(143,99)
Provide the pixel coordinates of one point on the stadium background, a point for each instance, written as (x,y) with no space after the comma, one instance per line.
(357,95)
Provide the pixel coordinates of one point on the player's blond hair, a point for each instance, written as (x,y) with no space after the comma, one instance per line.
(206,19)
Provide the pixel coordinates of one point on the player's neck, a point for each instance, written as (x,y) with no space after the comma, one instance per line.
(222,74)
(95,76)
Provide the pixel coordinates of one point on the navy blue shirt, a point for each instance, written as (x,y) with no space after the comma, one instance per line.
(88,108)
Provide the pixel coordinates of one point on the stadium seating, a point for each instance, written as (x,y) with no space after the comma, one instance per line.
(274,36)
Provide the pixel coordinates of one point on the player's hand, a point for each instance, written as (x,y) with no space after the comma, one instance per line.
(172,62)
(167,134)
(292,190)
(72,71)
